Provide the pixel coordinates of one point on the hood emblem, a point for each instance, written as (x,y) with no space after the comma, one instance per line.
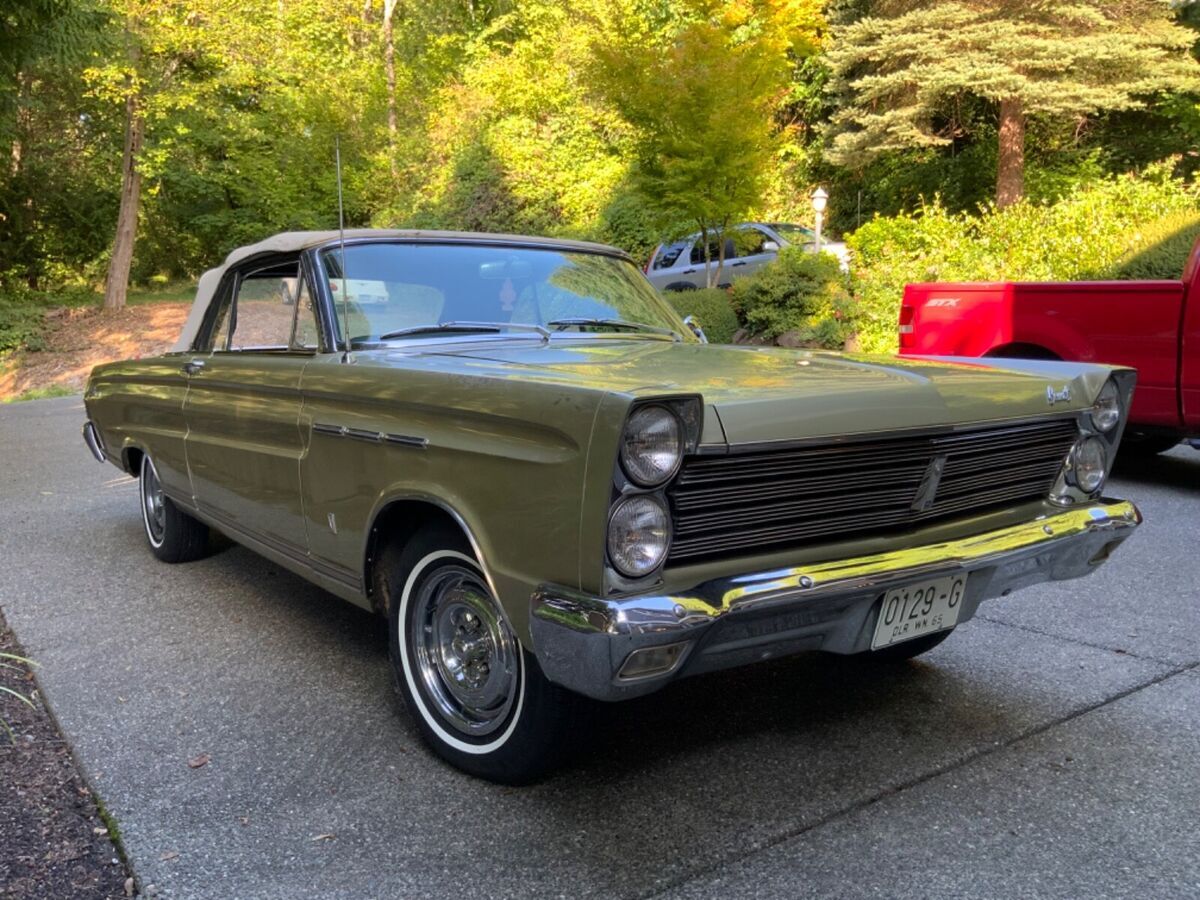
(1053,396)
(927,492)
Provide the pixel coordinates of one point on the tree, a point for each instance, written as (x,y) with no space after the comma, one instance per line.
(704,105)
(903,69)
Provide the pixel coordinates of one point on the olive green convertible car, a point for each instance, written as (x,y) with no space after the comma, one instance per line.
(555,489)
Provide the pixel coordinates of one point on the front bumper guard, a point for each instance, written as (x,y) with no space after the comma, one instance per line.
(587,643)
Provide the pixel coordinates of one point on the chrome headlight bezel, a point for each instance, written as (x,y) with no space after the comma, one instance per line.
(1072,487)
(1089,465)
(1106,411)
(638,465)
(630,482)
(655,525)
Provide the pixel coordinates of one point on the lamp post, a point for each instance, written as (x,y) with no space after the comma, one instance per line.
(819,201)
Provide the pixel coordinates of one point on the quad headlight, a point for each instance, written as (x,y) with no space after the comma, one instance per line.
(639,533)
(1089,464)
(1106,411)
(652,445)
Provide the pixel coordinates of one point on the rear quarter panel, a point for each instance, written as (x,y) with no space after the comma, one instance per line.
(139,403)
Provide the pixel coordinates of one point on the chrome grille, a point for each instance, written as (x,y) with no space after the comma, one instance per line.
(768,499)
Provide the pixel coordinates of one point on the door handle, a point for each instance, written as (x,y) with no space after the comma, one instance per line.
(194,367)
(736,264)
(688,271)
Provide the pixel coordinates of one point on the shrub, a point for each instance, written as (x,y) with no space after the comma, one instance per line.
(712,309)
(21,323)
(1167,245)
(1096,231)
(798,292)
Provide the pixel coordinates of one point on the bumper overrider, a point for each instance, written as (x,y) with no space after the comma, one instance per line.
(621,647)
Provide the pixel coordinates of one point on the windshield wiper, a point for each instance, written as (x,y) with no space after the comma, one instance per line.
(464,328)
(620,324)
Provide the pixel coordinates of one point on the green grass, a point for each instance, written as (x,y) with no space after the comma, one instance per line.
(44,393)
(179,292)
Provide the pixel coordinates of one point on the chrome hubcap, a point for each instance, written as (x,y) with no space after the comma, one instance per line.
(152,502)
(466,656)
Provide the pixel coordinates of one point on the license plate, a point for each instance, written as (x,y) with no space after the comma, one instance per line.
(917,609)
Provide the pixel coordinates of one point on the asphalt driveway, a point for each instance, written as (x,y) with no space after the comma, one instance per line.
(1049,748)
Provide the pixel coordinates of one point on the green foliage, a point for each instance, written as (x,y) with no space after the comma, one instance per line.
(799,292)
(23,314)
(1163,249)
(21,323)
(1095,232)
(712,308)
(703,155)
(905,73)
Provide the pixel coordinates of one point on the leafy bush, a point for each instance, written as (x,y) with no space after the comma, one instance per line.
(1094,232)
(22,314)
(798,292)
(21,322)
(712,309)
(1167,245)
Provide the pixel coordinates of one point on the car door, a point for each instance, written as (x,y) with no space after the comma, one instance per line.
(697,274)
(666,268)
(753,243)
(243,404)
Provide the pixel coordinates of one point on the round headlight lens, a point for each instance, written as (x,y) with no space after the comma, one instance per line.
(639,532)
(1091,460)
(651,446)
(1106,411)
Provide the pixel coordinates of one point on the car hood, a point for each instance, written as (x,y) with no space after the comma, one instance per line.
(772,393)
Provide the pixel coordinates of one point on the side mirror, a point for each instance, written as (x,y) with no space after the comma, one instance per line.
(770,247)
(694,328)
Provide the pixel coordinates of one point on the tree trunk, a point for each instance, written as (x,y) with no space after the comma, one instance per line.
(117,284)
(389,65)
(1010,171)
(715,281)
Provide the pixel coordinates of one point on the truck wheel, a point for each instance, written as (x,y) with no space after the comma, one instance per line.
(478,698)
(1143,445)
(908,649)
(173,535)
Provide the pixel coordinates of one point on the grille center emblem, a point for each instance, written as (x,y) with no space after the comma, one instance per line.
(927,492)
(1053,396)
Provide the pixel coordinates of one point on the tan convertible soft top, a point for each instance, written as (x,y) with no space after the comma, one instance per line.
(292,241)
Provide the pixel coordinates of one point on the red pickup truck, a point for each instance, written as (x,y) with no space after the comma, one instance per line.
(1153,326)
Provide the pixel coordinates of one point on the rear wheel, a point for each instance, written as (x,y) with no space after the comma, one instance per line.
(477,696)
(173,535)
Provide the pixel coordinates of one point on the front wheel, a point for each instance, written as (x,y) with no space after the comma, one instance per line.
(477,696)
(173,535)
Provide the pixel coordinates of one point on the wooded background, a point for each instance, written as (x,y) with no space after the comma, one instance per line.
(146,138)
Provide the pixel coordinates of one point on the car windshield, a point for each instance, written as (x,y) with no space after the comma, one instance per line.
(794,234)
(403,291)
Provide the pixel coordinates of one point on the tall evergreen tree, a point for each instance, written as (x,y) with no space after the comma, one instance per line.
(902,69)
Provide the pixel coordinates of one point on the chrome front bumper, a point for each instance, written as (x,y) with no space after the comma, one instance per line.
(598,646)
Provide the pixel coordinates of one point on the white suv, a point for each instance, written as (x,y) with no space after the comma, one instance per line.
(749,246)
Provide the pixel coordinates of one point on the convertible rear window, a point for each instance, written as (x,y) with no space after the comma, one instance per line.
(393,287)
